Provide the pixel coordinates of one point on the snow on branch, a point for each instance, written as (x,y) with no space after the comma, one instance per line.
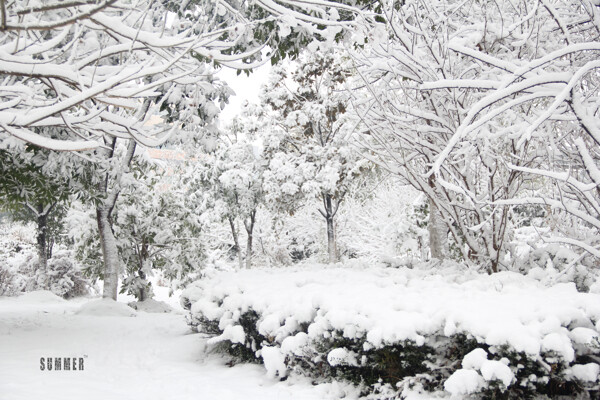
(86,67)
(78,10)
(488,110)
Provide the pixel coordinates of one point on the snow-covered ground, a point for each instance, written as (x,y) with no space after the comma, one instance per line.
(149,356)
(132,354)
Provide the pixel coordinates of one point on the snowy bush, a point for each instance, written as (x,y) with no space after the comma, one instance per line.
(533,253)
(20,270)
(63,277)
(16,246)
(397,329)
(6,281)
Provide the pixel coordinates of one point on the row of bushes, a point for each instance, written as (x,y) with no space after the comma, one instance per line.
(454,362)
(393,368)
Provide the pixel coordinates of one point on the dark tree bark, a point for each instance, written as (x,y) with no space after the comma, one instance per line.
(42,235)
(236,242)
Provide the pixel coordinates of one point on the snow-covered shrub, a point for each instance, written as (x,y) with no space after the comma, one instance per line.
(138,287)
(16,247)
(20,270)
(532,252)
(6,281)
(560,260)
(63,277)
(426,329)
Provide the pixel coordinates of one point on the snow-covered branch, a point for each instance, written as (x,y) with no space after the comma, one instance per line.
(88,65)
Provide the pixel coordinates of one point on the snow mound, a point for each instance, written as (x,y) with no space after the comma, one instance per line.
(583,335)
(475,359)
(464,381)
(40,296)
(233,333)
(497,370)
(341,356)
(274,361)
(295,344)
(151,306)
(106,308)
(586,372)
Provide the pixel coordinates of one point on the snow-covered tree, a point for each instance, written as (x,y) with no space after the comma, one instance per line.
(31,194)
(228,182)
(309,143)
(467,101)
(157,230)
(79,65)
(101,72)
(154,229)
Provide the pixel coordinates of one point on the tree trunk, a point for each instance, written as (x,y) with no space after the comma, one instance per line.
(329,214)
(49,247)
(236,243)
(249,251)
(109,252)
(143,292)
(438,237)
(42,226)
(249,231)
(331,241)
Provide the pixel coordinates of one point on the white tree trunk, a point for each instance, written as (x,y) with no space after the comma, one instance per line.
(438,233)
(331,247)
(110,254)
(328,213)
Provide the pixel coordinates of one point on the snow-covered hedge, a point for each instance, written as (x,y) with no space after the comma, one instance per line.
(431,329)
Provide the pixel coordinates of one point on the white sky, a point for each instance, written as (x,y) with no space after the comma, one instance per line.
(245,88)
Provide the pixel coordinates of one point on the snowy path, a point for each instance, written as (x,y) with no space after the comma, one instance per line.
(151,356)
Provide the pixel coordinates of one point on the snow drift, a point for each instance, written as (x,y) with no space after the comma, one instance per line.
(106,308)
